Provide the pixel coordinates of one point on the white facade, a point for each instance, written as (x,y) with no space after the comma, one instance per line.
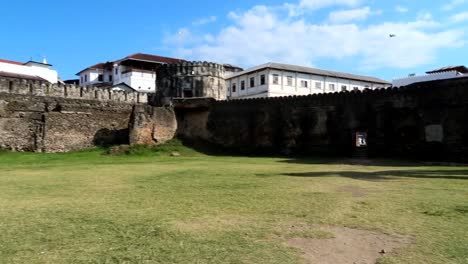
(427,77)
(31,68)
(270,82)
(140,80)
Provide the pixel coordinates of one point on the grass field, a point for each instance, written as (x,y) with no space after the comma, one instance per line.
(86,207)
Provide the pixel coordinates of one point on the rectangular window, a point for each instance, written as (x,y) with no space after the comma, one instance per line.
(86,77)
(290,81)
(275,79)
(355,88)
(233,87)
(100,78)
(366,87)
(262,79)
(110,78)
(81,78)
(116,71)
(252,81)
(318,85)
(242,85)
(344,88)
(304,84)
(331,86)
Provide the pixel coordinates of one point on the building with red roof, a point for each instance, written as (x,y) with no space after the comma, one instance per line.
(137,71)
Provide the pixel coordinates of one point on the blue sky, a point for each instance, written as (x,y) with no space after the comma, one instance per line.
(343,35)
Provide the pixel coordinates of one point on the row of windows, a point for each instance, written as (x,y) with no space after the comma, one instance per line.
(289,82)
(100,78)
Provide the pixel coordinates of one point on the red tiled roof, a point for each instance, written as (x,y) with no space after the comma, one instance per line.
(11,62)
(135,56)
(154,58)
(99,66)
(461,69)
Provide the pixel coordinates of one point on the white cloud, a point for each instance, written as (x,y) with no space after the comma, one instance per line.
(318,4)
(401,9)
(205,21)
(264,34)
(453,4)
(349,15)
(424,15)
(460,17)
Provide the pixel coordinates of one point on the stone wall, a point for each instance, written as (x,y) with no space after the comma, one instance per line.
(152,125)
(38,88)
(426,120)
(191,79)
(53,124)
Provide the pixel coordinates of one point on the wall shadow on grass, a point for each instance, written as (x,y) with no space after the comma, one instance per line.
(461,174)
(369,162)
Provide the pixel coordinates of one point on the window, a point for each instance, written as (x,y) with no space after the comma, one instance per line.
(367,87)
(242,85)
(318,85)
(304,84)
(110,78)
(275,79)
(290,81)
(233,87)
(86,77)
(331,86)
(116,71)
(81,79)
(100,78)
(252,81)
(355,88)
(262,79)
(343,88)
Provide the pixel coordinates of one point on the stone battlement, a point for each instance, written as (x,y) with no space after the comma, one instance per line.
(39,88)
(192,79)
(195,68)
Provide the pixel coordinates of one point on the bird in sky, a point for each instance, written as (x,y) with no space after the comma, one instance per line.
(392,35)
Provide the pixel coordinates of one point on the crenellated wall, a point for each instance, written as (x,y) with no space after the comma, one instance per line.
(191,79)
(38,88)
(426,120)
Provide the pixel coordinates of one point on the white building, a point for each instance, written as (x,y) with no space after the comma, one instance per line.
(439,74)
(137,71)
(277,79)
(29,70)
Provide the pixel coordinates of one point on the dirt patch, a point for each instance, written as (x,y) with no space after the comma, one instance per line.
(354,190)
(347,246)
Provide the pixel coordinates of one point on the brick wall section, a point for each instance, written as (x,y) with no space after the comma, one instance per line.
(426,120)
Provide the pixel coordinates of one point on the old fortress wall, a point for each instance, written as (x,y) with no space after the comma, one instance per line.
(426,120)
(38,88)
(44,117)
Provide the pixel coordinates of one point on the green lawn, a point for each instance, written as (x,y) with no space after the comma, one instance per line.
(87,207)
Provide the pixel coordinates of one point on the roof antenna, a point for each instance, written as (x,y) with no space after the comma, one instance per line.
(44,60)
